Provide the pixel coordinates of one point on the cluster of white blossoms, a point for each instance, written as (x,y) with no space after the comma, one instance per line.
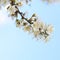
(32,25)
(12,9)
(36,27)
(17,2)
(25,1)
(4,2)
(52,1)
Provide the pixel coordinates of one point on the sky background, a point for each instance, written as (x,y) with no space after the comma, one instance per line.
(15,44)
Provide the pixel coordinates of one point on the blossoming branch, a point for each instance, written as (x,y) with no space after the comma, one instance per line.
(32,25)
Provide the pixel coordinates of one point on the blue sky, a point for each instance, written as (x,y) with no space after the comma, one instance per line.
(15,44)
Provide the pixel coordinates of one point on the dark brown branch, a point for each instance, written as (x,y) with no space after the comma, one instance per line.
(21,13)
(24,17)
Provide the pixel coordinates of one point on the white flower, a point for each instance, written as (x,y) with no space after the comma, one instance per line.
(19,3)
(52,1)
(12,10)
(49,29)
(25,1)
(4,2)
(38,25)
(27,28)
(18,23)
(35,25)
(36,33)
(41,24)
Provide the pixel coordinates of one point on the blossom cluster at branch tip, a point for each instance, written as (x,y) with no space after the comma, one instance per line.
(32,25)
(37,28)
(13,2)
(52,1)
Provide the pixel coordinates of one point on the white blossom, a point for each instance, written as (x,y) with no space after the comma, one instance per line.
(12,9)
(4,2)
(32,25)
(52,1)
(49,29)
